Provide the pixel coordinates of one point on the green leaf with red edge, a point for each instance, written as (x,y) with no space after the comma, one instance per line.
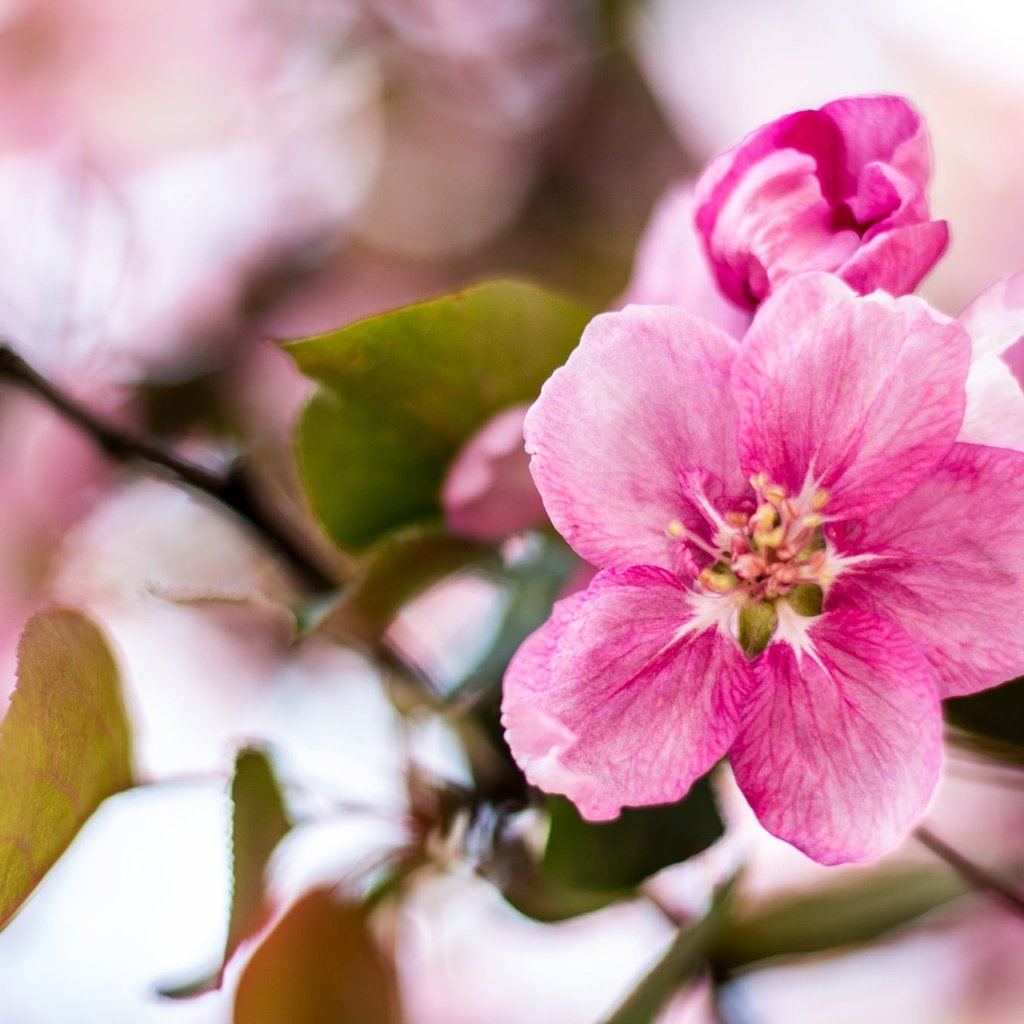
(259,822)
(402,392)
(65,746)
(319,963)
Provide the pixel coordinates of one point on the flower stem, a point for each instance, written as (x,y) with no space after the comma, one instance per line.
(232,489)
(975,875)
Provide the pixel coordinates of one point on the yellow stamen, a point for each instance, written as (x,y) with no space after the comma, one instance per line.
(819,500)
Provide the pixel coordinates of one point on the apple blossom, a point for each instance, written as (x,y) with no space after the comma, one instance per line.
(838,189)
(799,560)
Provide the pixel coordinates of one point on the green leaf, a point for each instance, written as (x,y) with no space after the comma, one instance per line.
(318,964)
(259,822)
(588,865)
(65,747)
(853,911)
(995,714)
(622,853)
(402,392)
(678,966)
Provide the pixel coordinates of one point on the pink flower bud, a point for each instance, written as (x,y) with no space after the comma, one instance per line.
(840,189)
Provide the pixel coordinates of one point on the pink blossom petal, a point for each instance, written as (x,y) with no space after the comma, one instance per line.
(996,316)
(995,403)
(774,223)
(897,259)
(671,268)
(949,567)
(840,744)
(645,396)
(995,320)
(488,492)
(624,697)
(883,128)
(862,395)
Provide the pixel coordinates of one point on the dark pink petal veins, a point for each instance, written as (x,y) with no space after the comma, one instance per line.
(624,697)
(645,395)
(858,396)
(839,748)
(948,567)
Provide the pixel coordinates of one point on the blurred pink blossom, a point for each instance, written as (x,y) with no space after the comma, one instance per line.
(722,486)
(995,385)
(488,492)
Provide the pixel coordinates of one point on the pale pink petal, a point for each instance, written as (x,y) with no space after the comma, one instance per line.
(995,403)
(859,396)
(625,696)
(488,492)
(948,566)
(671,267)
(645,396)
(882,128)
(896,259)
(839,748)
(995,320)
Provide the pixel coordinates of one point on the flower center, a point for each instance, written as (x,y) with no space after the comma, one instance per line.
(773,549)
(767,553)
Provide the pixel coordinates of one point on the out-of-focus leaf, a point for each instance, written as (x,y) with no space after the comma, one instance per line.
(514,870)
(678,966)
(259,822)
(534,584)
(398,569)
(587,865)
(850,912)
(622,853)
(65,746)
(996,714)
(319,965)
(402,392)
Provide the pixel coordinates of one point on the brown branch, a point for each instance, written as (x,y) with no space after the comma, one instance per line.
(232,489)
(975,875)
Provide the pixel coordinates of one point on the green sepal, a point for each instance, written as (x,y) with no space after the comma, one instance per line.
(757,626)
(806,599)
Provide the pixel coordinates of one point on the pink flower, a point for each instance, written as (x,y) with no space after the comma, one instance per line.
(799,561)
(488,492)
(838,189)
(995,399)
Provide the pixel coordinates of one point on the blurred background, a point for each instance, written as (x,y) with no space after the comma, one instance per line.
(183,183)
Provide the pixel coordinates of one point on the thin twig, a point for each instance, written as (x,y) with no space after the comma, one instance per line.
(232,489)
(975,875)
